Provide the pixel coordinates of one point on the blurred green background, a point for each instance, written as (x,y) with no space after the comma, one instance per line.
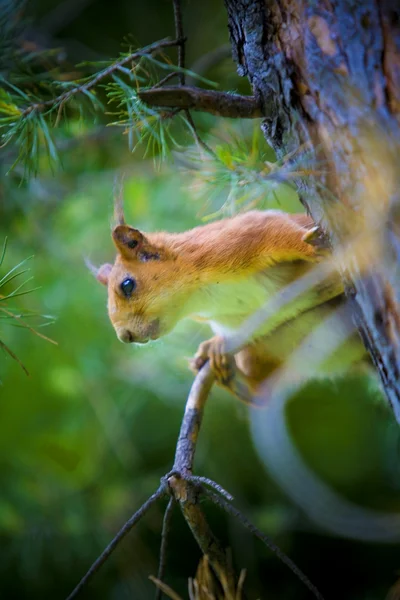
(85,438)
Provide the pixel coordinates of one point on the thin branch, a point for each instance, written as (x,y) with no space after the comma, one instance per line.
(187,496)
(114,543)
(212,484)
(179,480)
(179,33)
(198,139)
(14,356)
(264,538)
(180,36)
(25,324)
(164,545)
(220,104)
(192,418)
(64,97)
(165,79)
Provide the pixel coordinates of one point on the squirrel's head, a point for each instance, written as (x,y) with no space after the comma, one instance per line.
(145,291)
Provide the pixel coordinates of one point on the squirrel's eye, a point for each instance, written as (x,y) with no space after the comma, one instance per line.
(128,286)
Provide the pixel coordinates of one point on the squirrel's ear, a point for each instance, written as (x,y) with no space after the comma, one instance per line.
(103,273)
(127,240)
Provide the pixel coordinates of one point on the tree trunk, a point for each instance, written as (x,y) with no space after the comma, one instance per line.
(327,74)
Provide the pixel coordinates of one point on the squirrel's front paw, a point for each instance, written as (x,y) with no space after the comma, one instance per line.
(222,364)
(316,238)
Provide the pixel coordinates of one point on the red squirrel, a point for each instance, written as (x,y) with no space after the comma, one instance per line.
(221,273)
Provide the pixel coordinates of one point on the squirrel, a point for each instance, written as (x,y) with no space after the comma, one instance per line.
(221,273)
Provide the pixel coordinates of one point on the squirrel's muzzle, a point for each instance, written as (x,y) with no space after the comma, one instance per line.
(151,332)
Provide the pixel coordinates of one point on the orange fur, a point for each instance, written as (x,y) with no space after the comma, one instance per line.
(220,273)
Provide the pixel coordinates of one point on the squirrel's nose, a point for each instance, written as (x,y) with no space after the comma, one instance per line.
(126,336)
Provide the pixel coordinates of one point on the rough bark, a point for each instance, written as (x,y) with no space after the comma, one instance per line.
(327,75)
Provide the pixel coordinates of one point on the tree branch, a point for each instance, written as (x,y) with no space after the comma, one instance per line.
(220,104)
(188,496)
(234,512)
(14,356)
(179,481)
(179,33)
(64,97)
(180,36)
(191,423)
(114,543)
(164,544)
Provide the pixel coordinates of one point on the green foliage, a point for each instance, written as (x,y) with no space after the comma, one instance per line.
(241,175)
(29,118)
(145,125)
(10,313)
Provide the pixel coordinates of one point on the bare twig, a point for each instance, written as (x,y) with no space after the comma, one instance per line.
(180,36)
(64,97)
(164,545)
(212,484)
(114,543)
(179,33)
(182,490)
(14,356)
(198,139)
(25,324)
(220,104)
(165,79)
(187,495)
(216,499)
(179,482)
(186,446)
